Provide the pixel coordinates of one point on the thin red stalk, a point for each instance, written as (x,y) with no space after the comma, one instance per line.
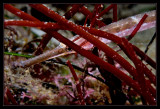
(77,29)
(144,56)
(137,27)
(95,14)
(115,13)
(86,12)
(19,13)
(140,69)
(119,74)
(42,44)
(73,72)
(33,24)
(72,11)
(85,23)
(93,22)
(145,89)
(46,38)
(148,73)
(125,26)
(97,9)
(103,34)
(10,96)
(79,90)
(106,10)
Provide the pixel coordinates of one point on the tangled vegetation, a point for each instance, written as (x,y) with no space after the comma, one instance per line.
(79,54)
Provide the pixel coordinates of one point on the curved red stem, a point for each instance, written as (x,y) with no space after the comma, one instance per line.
(95,14)
(106,10)
(86,12)
(115,13)
(144,56)
(28,23)
(79,90)
(72,11)
(19,13)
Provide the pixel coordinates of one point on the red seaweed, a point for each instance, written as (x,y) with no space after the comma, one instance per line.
(138,80)
(137,27)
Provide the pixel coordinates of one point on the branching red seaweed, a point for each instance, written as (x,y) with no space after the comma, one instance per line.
(141,78)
